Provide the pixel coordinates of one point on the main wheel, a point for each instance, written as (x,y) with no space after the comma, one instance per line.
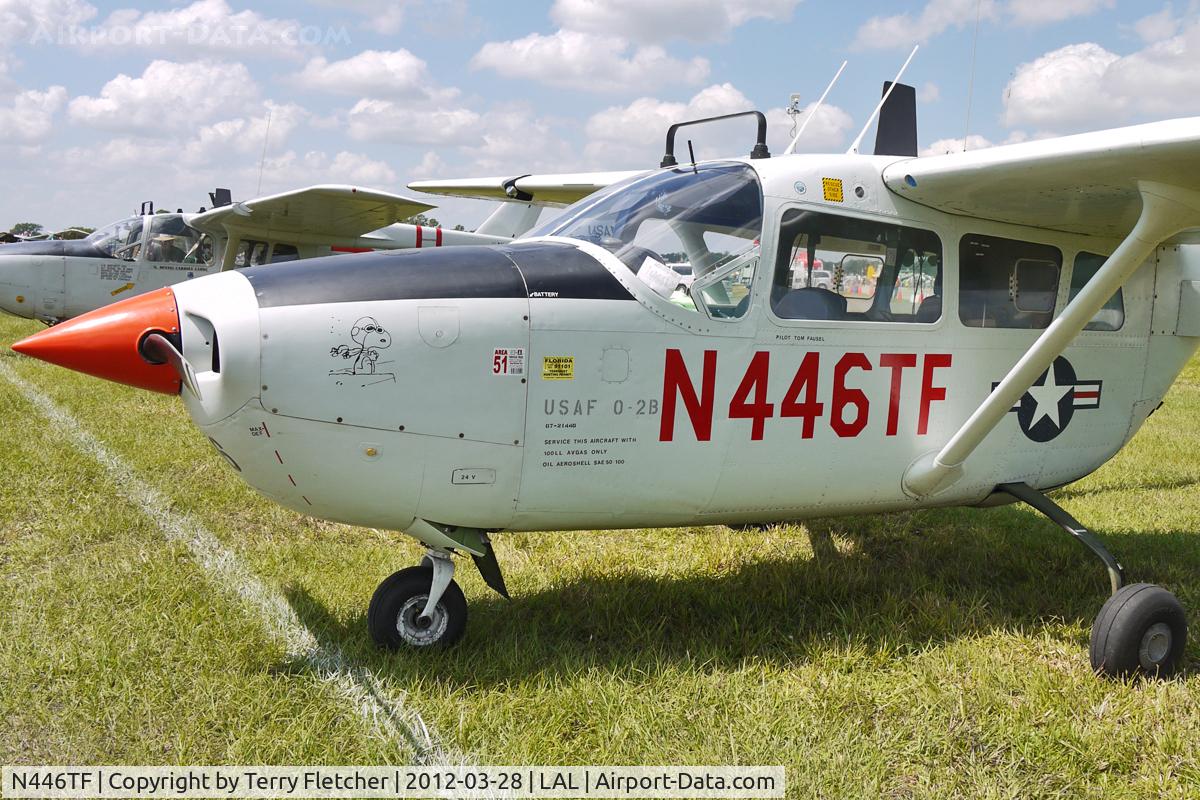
(1140,630)
(394,616)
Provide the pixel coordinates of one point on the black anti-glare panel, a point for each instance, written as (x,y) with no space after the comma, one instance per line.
(896,134)
(549,269)
(78,248)
(561,271)
(466,271)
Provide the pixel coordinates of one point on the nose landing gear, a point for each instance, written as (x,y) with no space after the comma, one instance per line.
(1142,628)
(419,606)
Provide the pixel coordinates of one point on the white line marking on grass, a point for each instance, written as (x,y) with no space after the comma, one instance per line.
(230,573)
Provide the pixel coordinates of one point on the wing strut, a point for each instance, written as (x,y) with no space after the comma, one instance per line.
(1166,210)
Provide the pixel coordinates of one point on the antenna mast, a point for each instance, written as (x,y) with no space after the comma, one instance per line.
(263,161)
(858,139)
(791,148)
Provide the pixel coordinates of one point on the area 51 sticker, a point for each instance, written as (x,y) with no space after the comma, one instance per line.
(508,361)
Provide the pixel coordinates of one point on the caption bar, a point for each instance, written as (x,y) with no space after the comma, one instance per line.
(369,782)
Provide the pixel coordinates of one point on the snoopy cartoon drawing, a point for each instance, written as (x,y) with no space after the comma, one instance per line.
(369,338)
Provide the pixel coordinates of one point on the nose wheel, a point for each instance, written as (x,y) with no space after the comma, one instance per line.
(419,606)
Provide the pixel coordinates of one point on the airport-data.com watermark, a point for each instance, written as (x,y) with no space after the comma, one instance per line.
(393,782)
(194,35)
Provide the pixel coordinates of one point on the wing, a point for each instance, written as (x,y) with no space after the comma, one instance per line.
(545,190)
(1082,184)
(326,214)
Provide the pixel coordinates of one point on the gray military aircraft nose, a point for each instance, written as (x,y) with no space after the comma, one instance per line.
(16,284)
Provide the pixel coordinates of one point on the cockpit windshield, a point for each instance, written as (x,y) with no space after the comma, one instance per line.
(169,240)
(690,233)
(121,239)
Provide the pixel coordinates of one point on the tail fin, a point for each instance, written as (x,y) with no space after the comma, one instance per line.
(511,220)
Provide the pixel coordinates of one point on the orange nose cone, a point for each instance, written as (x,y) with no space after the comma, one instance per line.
(105,342)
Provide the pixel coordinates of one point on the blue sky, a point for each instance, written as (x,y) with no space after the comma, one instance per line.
(104,105)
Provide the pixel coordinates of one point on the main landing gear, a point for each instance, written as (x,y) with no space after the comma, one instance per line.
(422,606)
(1142,628)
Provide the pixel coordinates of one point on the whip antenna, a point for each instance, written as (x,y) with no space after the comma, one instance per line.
(858,139)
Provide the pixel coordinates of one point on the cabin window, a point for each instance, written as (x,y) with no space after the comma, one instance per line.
(251,253)
(1006,283)
(284,252)
(690,234)
(1112,316)
(831,267)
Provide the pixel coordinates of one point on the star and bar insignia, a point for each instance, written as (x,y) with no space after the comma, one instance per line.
(1047,408)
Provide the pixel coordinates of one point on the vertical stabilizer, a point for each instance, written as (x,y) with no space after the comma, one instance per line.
(511,220)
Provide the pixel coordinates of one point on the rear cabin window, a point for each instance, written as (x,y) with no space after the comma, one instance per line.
(284,252)
(1112,316)
(1005,283)
(831,267)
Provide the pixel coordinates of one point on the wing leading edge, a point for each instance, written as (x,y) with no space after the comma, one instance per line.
(1083,184)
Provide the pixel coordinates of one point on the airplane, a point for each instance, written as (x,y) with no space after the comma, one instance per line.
(52,280)
(1001,322)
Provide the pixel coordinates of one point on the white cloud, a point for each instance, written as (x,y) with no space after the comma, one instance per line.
(382,16)
(168,98)
(242,136)
(974,142)
(905,30)
(1160,25)
(588,61)
(40,21)
(207,27)
(929,93)
(633,135)
(404,123)
(1043,12)
(374,73)
(698,20)
(290,170)
(431,165)
(1084,86)
(30,116)
(938,16)
(1062,89)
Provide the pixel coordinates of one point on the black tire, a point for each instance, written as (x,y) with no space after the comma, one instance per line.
(1142,629)
(399,600)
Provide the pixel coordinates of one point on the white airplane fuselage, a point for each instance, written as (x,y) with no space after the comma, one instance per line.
(542,386)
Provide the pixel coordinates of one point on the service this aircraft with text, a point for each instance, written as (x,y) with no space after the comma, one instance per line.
(1001,323)
(54,280)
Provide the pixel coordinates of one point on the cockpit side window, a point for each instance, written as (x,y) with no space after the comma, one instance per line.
(831,267)
(689,234)
(173,241)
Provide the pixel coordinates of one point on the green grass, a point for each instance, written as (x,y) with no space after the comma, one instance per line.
(931,654)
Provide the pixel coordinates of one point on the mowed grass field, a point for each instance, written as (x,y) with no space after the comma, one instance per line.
(934,654)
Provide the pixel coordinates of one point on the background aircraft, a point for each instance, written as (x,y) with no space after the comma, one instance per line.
(52,279)
(1001,322)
